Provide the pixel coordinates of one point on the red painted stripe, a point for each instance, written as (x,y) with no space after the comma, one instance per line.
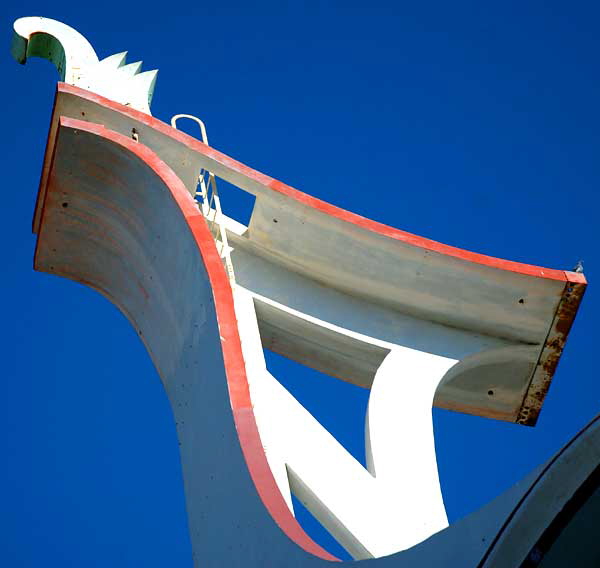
(322,206)
(235,368)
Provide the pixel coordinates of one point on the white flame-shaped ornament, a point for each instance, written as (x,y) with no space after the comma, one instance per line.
(78,64)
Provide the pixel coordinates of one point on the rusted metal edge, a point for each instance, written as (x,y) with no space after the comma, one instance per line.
(553,346)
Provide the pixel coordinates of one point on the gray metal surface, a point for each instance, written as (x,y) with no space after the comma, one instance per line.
(111,222)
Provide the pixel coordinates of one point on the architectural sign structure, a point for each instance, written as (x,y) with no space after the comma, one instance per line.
(128,205)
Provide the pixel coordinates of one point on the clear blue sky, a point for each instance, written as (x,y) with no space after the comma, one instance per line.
(471,124)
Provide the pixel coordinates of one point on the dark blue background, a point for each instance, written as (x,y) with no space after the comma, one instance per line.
(474,124)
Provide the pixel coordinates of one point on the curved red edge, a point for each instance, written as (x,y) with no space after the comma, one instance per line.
(235,368)
(322,206)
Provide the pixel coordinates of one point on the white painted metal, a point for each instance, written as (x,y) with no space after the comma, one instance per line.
(199,122)
(229,526)
(414,326)
(78,64)
(338,328)
(210,202)
(397,503)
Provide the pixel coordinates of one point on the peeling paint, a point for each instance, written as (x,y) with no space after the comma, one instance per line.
(553,347)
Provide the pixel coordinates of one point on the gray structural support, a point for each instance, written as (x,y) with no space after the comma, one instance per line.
(416,322)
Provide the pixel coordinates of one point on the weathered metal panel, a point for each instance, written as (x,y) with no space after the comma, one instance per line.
(407,273)
(553,347)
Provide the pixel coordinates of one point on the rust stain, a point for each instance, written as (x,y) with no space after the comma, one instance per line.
(553,347)
(143,291)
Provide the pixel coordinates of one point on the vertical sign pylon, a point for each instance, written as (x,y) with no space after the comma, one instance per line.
(417,322)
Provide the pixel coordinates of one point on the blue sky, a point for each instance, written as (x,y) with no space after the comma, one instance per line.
(474,125)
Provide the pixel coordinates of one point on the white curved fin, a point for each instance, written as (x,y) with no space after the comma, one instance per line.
(78,64)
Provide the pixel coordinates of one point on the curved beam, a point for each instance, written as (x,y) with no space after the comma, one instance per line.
(117,219)
(416,278)
(114,216)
